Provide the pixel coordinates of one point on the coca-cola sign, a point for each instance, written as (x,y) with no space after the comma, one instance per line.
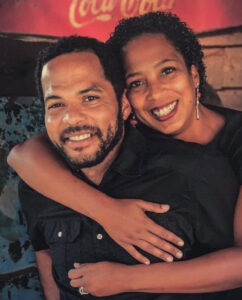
(98,17)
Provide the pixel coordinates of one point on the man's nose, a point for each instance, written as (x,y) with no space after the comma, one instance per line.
(73,115)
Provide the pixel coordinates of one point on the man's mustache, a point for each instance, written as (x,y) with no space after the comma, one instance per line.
(73,129)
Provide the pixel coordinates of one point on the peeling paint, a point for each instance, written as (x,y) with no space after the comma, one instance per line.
(18,272)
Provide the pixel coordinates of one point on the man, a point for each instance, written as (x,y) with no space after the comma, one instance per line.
(84,117)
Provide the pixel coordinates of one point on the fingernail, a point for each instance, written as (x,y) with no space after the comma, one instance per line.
(169,259)
(76,265)
(147,262)
(165,206)
(180,243)
(179,254)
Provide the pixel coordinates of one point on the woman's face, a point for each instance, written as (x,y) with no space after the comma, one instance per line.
(159,86)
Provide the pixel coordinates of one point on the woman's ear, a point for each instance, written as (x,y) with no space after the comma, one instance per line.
(195,75)
(126,108)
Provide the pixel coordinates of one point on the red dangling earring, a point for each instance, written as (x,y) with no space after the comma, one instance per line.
(133,120)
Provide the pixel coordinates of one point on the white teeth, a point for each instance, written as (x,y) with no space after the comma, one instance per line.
(80,137)
(164,110)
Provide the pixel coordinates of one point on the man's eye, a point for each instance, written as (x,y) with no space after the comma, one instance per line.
(135,84)
(90,98)
(168,70)
(55,105)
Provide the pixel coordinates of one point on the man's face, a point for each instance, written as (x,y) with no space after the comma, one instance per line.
(82,115)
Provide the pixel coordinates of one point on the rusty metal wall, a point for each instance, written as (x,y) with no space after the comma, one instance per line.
(18,273)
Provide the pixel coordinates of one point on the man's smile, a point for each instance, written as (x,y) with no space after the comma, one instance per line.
(78,140)
(80,137)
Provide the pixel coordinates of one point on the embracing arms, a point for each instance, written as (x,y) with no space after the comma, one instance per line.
(124,220)
(213,272)
(217,271)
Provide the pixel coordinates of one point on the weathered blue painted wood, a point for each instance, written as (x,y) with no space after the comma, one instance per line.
(18,273)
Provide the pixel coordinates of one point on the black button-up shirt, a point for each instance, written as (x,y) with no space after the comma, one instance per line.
(201,211)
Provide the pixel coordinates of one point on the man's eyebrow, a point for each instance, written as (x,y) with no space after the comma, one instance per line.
(51,97)
(156,65)
(92,88)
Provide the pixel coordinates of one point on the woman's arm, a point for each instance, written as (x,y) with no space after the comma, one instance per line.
(125,220)
(217,271)
(221,270)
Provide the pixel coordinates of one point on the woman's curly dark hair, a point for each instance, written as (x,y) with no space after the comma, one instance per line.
(177,32)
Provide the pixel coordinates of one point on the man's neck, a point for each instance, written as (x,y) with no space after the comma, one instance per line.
(96,173)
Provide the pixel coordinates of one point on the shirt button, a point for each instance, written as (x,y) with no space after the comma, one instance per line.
(59,234)
(99,236)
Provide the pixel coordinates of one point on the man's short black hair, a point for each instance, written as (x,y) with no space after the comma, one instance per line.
(177,32)
(65,45)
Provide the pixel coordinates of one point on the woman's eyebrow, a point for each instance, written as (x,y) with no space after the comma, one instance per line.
(132,75)
(159,63)
(164,61)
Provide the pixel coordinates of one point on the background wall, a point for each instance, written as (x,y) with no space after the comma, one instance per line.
(223,58)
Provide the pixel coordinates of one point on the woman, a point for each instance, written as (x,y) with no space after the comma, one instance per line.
(164,85)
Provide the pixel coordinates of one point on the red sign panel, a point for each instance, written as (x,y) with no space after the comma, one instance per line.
(97,18)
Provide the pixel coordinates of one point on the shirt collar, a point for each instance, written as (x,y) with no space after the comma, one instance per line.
(131,155)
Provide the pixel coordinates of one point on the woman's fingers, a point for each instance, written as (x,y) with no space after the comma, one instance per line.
(77,282)
(160,248)
(164,234)
(75,273)
(153,207)
(154,246)
(155,251)
(157,229)
(132,228)
(98,279)
(135,253)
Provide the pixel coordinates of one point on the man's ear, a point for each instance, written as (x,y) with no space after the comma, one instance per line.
(195,75)
(126,108)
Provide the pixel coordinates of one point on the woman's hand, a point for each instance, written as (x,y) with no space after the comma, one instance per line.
(128,225)
(99,279)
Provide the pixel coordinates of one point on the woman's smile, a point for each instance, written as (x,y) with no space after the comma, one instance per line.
(162,113)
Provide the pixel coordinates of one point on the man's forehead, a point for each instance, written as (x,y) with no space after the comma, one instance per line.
(84,59)
(74,73)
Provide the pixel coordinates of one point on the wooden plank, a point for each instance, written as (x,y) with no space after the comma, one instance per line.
(231,98)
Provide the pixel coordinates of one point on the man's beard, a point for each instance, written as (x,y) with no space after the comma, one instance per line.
(105,146)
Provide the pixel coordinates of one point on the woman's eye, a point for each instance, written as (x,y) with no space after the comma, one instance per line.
(168,70)
(55,105)
(134,84)
(90,98)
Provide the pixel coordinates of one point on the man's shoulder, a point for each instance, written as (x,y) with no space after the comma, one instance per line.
(27,194)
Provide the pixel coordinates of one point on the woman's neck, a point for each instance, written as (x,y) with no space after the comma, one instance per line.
(204,130)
